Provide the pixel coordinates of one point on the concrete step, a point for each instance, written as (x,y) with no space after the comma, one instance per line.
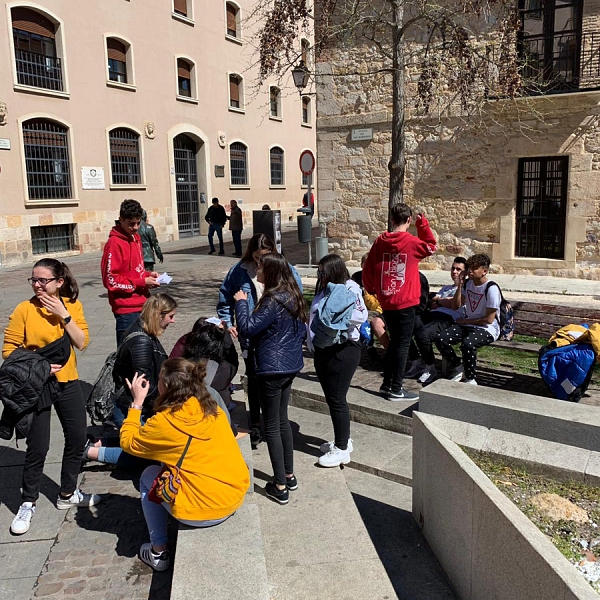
(317,546)
(377,451)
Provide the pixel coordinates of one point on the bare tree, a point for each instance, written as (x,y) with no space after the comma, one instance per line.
(464,51)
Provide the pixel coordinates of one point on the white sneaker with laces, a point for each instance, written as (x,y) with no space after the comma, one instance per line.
(328,446)
(428,375)
(471,381)
(416,368)
(78,499)
(457,374)
(334,458)
(159,562)
(20,524)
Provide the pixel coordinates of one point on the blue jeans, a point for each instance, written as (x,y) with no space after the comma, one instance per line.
(211,232)
(156,514)
(236,234)
(123,322)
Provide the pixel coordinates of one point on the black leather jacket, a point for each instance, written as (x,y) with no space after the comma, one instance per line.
(141,354)
(275,336)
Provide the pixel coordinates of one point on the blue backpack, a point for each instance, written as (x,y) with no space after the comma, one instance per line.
(332,317)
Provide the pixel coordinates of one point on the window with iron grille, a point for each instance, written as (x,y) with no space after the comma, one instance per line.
(125,157)
(235,91)
(542,207)
(276,162)
(117,60)
(184,78)
(232,18)
(47,163)
(275,101)
(53,238)
(305,110)
(36,60)
(238,158)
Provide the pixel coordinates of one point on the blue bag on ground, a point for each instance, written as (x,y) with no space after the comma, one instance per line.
(332,316)
(567,370)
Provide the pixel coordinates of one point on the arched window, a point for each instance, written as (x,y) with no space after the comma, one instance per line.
(306,116)
(117,51)
(236,92)
(238,164)
(47,161)
(36,54)
(275,102)
(233,20)
(185,84)
(276,155)
(125,158)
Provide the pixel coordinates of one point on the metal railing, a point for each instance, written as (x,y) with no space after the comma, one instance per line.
(38,70)
(53,238)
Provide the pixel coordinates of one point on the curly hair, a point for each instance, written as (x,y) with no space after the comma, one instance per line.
(183,379)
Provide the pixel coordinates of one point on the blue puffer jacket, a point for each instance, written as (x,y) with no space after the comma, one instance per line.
(275,336)
(238,279)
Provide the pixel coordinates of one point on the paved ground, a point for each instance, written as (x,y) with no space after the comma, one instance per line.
(93,552)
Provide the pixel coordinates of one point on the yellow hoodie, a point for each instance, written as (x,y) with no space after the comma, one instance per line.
(214,476)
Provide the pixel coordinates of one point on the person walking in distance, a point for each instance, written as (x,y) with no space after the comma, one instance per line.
(123,273)
(392,273)
(236,225)
(216,219)
(150,243)
(52,315)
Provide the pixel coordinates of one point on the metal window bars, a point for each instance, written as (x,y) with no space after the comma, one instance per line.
(125,157)
(238,156)
(39,70)
(54,238)
(47,163)
(276,160)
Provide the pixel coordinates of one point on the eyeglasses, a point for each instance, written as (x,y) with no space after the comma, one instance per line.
(41,280)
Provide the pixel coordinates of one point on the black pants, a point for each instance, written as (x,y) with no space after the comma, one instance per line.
(274,393)
(253,399)
(335,367)
(400,324)
(70,408)
(427,328)
(471,338)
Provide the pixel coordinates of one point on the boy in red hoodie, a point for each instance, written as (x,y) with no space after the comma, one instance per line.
(392,273)
(123,272)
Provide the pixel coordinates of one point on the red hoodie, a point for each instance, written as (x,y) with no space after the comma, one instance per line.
(392,267)
(123,273)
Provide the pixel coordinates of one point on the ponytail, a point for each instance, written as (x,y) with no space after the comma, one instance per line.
(69,288)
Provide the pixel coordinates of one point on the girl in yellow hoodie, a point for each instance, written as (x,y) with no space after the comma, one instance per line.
(214,476)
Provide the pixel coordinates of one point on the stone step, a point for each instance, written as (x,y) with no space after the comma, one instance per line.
(377,451)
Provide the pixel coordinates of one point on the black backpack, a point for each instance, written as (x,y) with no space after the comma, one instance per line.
(104,394)
(507,315)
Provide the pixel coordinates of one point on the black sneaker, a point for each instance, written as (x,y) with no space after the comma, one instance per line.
(255,437)
(280,496)
(291,483)
(384,390)
(221,253)
(402,394)
(212,252)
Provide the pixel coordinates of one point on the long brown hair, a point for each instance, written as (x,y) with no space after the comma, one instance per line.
(279,279)
(182,380)
(259,241)
(154,309)
(69,289)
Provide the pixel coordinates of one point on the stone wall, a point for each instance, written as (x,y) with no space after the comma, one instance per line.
(461,173)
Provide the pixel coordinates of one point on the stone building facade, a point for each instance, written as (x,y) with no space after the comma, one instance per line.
(150,100)
(521,183)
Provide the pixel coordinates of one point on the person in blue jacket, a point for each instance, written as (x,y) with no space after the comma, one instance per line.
(243,276)
(276,329)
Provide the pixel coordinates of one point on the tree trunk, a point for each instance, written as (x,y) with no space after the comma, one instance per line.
(397,162)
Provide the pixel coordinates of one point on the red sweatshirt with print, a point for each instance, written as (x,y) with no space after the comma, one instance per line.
(392,268)
(123,273)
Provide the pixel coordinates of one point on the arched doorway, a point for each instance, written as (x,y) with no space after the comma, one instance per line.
(185,152)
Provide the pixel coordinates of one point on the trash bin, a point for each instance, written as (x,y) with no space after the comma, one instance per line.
(304,225)
(321,247)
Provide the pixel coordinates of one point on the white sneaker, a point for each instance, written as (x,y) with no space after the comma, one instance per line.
(78,499)
(334,458)
(159,562)
(329,446)
(20,524)
(428,375)
(416,368)
(457,374)
(471,381)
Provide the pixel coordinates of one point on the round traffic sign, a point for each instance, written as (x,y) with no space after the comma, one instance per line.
(307,162)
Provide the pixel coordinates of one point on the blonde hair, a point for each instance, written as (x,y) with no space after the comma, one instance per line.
(156,307)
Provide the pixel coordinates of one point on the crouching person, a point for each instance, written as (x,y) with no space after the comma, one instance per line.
(190,434)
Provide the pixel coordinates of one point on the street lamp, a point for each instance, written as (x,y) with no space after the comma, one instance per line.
(301,74)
